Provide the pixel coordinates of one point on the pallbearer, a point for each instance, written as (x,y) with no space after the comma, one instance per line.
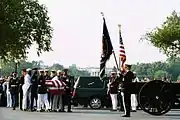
(67,97)
(26,89)
(21,82)
(14,82)
(42,93)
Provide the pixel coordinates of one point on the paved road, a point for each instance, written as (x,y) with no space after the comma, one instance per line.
(83,114)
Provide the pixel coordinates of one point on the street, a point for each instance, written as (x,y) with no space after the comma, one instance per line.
(83,114)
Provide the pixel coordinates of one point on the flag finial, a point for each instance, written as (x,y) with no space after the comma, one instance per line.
(119,26)
(102,14)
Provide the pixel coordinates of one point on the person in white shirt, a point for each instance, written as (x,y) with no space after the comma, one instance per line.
(26,89)
(134,103)
(8,93)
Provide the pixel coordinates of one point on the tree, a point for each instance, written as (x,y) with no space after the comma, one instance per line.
(22,24)
(167,36)
(159,74)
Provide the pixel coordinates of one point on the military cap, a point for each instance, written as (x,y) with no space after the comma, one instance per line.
(29,69)
(41,70)
(24,70)
(128,65)
(53,71)
(46,70)
(59,71)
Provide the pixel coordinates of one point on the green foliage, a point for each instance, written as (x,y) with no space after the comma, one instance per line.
(160,74)
(23,23)
(167,36)
(157,70)
(8,68)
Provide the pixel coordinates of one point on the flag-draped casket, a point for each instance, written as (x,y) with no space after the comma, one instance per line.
(55,86)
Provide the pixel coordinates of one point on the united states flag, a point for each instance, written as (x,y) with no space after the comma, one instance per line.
(122,53)
(55,86)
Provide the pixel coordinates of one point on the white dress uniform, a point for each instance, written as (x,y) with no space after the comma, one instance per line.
(134,102)
(56,106)
(8,94)
(26,92)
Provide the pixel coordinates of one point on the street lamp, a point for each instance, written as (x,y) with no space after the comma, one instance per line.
(0,70)
(16,65)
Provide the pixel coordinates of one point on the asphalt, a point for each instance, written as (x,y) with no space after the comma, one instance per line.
(83,114)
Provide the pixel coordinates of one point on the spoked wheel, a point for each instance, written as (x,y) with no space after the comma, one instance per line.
(155,97)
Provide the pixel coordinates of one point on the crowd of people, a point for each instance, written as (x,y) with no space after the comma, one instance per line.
(31,91)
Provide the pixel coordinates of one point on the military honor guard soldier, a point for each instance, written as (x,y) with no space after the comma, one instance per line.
(127,78)
(42,93)
(14,83)
(113,90)
(26,89)
(67,96)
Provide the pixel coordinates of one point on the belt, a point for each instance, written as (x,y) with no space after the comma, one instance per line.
(13,85)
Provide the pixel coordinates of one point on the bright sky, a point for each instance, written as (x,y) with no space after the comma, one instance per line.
(78,26)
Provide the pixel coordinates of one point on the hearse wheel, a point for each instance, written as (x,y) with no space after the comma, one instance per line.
(155,97)
(95,103)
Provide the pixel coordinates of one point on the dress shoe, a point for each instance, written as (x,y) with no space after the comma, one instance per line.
(133,110)
(126,116)
(113,110)
(69,111)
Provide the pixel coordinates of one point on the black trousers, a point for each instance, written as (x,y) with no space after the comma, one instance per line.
(14,99)
(127,102)
(33,96)
(120,101)
(20,98)
(66,101)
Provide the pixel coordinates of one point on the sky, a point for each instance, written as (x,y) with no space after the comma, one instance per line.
(77,35)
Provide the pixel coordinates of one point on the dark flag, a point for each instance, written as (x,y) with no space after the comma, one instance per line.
(107,50)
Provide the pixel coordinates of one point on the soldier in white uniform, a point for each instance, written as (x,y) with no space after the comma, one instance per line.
(7,90)
(134,103)
(26,89)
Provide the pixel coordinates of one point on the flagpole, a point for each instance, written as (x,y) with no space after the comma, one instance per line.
(119,26)
(115,60)
(113,48)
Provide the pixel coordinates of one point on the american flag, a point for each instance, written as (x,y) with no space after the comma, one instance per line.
(55,86)
(122,53)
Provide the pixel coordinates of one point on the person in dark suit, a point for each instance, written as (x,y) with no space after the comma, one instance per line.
(127,78)
(67,96)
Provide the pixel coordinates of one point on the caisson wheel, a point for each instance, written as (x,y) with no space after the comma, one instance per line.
(155,97)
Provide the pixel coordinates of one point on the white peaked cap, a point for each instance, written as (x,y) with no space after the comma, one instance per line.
(59,71)
(29,69)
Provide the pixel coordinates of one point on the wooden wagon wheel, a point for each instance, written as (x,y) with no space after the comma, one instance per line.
(155,97)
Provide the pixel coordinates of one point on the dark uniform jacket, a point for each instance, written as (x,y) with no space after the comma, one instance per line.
(21,82)
(67,81)
(47,77)
(42,88)
(14,85)
(114,87)
(127,82)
